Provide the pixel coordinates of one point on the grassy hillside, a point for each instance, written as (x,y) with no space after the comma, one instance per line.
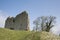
(6,34)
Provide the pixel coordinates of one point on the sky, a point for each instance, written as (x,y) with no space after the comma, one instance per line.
(35,8)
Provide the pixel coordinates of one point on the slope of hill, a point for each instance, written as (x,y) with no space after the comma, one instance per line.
(6,34)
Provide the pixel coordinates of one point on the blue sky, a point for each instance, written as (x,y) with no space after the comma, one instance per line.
(35,8)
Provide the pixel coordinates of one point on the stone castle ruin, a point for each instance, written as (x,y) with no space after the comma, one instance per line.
(20,22)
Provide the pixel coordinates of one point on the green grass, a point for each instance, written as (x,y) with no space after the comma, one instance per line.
(6,34)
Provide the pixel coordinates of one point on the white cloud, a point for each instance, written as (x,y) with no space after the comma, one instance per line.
(3,17)
(56,29)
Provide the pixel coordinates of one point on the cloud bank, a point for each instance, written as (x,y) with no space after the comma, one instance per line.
(3,17)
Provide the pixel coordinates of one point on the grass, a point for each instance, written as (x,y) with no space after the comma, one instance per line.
(6,34)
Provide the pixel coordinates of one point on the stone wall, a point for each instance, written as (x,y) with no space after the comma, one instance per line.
(20,22)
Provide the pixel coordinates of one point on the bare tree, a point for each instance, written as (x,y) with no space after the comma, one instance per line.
(49,23)
(45,23)
(36,23)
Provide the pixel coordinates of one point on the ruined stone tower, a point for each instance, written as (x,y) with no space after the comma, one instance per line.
(20,22)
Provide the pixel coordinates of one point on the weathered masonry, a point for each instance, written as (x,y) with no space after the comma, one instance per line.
(20,22)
